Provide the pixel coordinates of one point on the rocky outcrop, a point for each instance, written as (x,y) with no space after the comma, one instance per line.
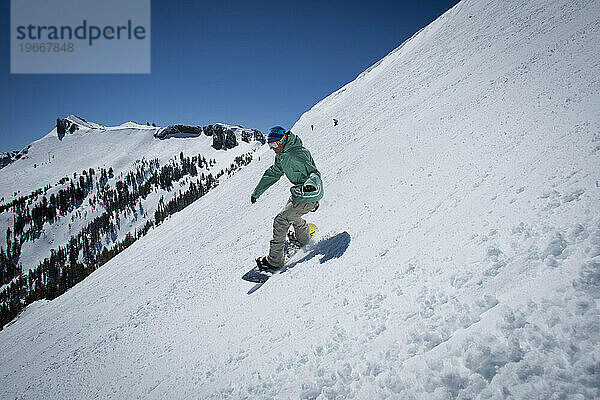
(224,137)
(253,134)
(64,126)
(8,157)
(178,129)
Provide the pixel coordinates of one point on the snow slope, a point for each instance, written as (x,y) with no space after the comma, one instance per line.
(459,253)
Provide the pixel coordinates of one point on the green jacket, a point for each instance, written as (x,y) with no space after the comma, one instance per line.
(299,167)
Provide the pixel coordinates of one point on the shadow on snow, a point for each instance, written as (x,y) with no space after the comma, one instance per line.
(329,249)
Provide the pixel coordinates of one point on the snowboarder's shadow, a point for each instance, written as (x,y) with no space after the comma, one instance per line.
(330,248)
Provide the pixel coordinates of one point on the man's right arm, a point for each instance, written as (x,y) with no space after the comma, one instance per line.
(271,175)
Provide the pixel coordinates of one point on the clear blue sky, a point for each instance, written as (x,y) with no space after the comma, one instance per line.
(254,63)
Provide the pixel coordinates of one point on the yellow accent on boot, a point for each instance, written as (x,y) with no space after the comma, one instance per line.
(313,230)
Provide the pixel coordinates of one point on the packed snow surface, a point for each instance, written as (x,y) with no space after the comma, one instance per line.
(458,254)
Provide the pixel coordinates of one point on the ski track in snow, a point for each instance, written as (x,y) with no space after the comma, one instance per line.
(464,171)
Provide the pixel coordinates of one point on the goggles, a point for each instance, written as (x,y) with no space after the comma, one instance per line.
(276,144)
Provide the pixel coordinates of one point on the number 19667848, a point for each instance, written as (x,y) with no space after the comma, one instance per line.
(46,47)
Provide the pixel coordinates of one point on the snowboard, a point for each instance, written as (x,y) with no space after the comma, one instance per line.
(291,247)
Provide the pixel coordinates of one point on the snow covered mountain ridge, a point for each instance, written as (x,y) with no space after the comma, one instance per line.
(71,211)
(7,157)
(458,255)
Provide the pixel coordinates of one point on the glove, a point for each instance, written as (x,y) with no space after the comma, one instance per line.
(309,188)
(252,199)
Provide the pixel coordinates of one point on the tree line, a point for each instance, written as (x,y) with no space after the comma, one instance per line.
(70,264)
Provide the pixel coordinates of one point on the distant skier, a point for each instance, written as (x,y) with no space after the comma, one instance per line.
(335,121)
(312,127)
(296,162)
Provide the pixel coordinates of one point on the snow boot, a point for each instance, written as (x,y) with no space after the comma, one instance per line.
(264,266)
(291,238)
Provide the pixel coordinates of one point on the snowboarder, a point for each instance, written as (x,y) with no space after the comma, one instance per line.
(296,162)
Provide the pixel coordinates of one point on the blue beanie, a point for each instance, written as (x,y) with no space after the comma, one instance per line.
(276,134)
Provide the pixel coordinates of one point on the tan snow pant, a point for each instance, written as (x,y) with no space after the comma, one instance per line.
(290,215)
